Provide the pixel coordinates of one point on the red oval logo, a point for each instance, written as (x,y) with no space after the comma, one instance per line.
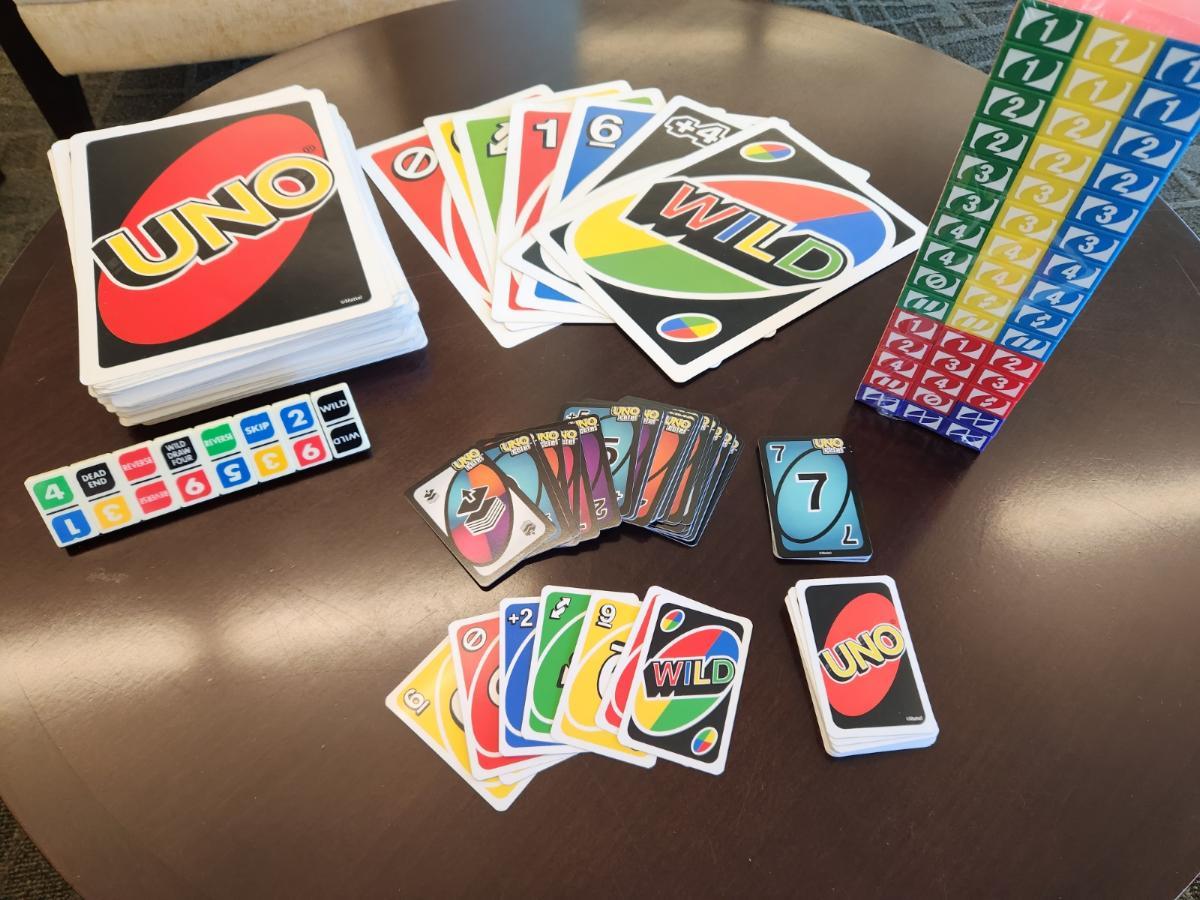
(233,201)
(861,656)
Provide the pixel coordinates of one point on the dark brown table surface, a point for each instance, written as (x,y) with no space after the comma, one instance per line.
(196,708)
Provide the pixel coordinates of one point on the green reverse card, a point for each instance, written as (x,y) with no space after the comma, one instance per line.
(560,622)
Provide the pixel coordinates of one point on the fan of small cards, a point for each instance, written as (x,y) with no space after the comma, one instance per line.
(601,463)
(697,231)
(509,693)
(225,252)
(860,665)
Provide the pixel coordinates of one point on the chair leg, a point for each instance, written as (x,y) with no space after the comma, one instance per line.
(59,97)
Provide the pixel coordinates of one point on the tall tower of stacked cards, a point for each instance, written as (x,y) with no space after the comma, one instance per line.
(1089,106)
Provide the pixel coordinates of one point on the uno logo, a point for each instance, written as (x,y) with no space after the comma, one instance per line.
(768,151)
(686,680)
(861,654)
(211,229)
(736,237)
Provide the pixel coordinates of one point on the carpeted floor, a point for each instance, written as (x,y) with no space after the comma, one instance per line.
(968,30)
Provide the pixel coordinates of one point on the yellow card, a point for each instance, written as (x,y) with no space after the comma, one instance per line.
(424,702)
(606,627)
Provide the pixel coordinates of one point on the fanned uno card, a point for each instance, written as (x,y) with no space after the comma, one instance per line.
(677,434)
(597,129)
(699,260)
(693,470)
(861,666)
(645,438)
(684,697)
(618,427)
(483,519)
(559,623)
(475,647)
(517,456)
(428,702)
(616,691)
(605,629)
(593,460)
(812,500)
(483,138)
(559,443)
(518,631)
(534,139)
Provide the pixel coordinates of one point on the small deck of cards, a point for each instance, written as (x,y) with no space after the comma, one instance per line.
(598,464)
(861,666)
(812,500)
(509,693)
(225,252)
(695,230)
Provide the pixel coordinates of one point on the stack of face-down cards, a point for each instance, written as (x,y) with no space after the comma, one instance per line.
(697,231)
(861,665)
(812,500)
(576,670)
(225,252)
(600,463)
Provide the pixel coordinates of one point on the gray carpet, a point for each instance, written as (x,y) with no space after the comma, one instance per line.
(968,30)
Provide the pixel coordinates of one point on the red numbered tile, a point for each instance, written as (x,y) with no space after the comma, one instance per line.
(888,382)
(966,346)
(900,366)
(932,399)
(958,366)
(949,385)
(1001,383)
(194,486)
(1014,364)
(309,451)
(913,325)
(988,402)
(912,347)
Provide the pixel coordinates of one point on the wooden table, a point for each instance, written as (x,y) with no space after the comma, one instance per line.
(196,708)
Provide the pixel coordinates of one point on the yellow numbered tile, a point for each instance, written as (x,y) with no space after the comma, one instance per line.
(1067,162)
(978,298)
(271,462)
(1078,125)
(1020,252)
(979,324)
(1022,221)
(1118,47)
(607,625)
(424,701)
(1000,277)
(1040,192)
(113,512)
(1098,88)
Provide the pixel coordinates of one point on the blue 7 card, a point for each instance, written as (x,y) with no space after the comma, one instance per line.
(812,499)
(518,628)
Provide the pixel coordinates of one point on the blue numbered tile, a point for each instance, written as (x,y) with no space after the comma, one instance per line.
(1144,146)
(1036,319)
(297,417)
(1125,181)
(1070,271)
(1165,107)
(1031,344)
(233,473)
(968,437)
(1089,244)
(885,403)
(1178,64)
(926,418)
(1056,297)
(71,526)
(1108,213)
(987,422)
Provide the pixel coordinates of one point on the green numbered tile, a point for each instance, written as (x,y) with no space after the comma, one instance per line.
(948,256)
(1012,106)
(1006,142)
(972,202)
(924,303)
(954,229)
(51,493)
(1046,27)
(993,174)
(1034,70)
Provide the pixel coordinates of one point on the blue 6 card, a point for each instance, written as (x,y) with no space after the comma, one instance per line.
(812,499)
(518,630)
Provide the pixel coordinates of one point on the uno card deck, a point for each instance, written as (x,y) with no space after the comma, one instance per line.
(428,701)
(861,666)
(606,626)
(813,500)
(488,523)
(687,682)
